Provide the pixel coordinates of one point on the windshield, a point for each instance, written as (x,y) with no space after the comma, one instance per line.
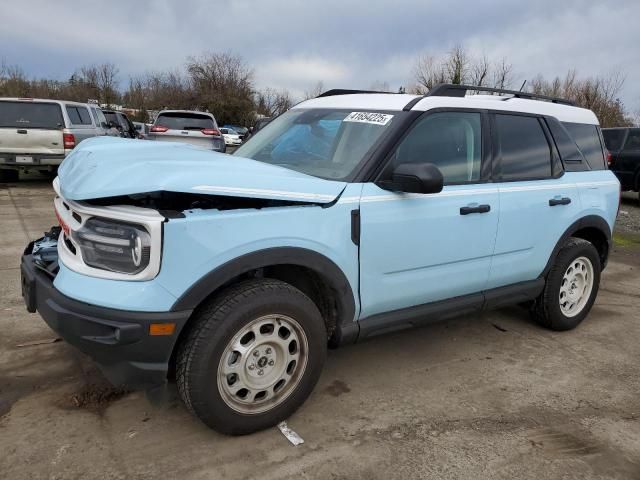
(326,143)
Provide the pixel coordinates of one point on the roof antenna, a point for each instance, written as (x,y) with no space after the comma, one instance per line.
(523,84)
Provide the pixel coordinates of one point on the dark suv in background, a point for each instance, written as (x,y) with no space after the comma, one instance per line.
(120,121)
(624,155)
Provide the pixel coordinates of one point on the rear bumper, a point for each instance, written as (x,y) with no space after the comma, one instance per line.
(118,340)
(38,160)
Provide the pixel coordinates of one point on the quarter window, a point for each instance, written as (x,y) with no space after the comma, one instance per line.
(587,138)
(524,150)
(452,141)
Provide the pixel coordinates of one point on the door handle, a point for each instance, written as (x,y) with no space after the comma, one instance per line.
(475,209)
(22,131)
(559,201)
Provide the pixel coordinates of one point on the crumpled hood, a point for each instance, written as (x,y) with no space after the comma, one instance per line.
(107,167)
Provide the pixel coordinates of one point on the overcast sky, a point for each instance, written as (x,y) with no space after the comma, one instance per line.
(293,44)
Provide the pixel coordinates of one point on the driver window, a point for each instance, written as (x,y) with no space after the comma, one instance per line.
(450,140)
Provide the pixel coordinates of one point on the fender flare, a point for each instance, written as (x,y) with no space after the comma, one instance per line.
(302,257)
(590,221)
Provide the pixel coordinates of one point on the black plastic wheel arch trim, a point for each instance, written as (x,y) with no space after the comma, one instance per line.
(590,221)
(269,257)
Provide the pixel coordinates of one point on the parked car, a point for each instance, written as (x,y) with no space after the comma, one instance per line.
(142,129)
(241,131)
(352,215)
(37,134)
(121,122)
(624,155)
(185,126)
(231,137)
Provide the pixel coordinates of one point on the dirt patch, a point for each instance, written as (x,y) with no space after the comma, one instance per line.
(337,388)
(94,397)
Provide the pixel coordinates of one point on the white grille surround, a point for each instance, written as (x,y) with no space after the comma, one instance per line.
(75,214)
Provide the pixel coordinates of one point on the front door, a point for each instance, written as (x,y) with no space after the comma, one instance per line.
(416,248)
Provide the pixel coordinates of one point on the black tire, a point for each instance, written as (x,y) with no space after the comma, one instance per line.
(546,309)
(9,176)
(216,323)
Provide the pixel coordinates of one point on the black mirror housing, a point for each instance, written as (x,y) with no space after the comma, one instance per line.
(417,178)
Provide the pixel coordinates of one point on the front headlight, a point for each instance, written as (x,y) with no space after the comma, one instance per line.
(114,246)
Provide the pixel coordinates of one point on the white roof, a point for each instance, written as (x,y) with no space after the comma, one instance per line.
(389,101)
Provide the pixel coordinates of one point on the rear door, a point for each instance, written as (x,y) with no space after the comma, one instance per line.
(537,201)
(415,248)
(186,127)
(30,128)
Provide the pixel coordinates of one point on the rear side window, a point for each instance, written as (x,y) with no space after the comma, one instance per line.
(588,141)
(633,140)
(524,150)
(30,115)
(185,121)
(613,138)
(78,115)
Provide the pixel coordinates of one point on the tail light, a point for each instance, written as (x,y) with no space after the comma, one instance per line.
(211,131)
(68,140)
(619,201)
(159,129)
(609,159)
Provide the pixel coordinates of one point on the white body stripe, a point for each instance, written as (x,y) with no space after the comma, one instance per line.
(491,188)
(271,193)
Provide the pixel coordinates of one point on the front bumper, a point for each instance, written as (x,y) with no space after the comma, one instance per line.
(118,340)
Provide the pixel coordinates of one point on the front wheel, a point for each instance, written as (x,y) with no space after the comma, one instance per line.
(571,287)
(252,357)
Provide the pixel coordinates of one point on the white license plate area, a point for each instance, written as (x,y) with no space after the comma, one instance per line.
(24,159)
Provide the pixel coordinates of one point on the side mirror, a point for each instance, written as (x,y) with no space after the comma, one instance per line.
(417,178)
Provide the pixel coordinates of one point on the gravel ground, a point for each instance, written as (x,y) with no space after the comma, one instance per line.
(629,217)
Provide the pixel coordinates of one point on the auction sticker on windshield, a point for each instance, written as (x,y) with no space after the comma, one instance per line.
(369,117)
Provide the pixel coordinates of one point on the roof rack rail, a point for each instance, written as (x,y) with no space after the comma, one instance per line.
(343,91)
(453,90)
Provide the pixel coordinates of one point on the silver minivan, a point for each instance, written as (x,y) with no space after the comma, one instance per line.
(186,126)
(37,134)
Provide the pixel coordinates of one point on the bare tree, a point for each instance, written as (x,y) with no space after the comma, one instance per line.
(222,84)
(458,67)
(502,74)
(599,94)
(315,91)
(271,102)
(107,81)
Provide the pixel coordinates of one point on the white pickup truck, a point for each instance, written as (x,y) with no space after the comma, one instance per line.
(37,134)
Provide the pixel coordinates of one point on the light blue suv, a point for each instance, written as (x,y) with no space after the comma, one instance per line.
(351,215)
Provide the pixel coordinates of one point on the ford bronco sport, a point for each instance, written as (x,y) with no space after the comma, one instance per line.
(351,215)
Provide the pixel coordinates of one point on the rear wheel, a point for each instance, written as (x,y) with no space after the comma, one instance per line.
(9,176)
(571,287)
(252,357)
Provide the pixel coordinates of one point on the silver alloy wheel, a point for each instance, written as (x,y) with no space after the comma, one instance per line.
(262,364)
(576,286)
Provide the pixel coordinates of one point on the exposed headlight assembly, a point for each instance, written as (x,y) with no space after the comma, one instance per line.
(114,246)
(119,242)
